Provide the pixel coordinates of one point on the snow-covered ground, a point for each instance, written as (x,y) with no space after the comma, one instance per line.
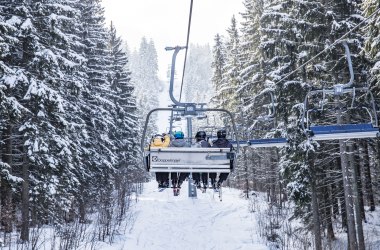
(164,221)
(159,220)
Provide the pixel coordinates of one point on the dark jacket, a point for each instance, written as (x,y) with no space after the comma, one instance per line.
(221,143)
(202,144)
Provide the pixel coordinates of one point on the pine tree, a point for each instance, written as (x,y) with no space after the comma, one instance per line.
(144,68)
(251,75)
(97,112)
(373,36)
(231,71)
(197,81)
(126,134)
(219,60)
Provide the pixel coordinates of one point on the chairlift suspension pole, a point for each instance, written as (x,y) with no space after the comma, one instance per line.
(171,122)
(189,129)
(172,72)
(349,62)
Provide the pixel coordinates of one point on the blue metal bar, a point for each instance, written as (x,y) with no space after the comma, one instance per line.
(343,128)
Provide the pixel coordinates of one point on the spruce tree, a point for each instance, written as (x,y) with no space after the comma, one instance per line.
(197,81)
(126,133)
(144,68)
(231,69)
(219,60)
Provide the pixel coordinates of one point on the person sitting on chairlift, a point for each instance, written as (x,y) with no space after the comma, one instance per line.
(200,142)
(161,141)
(178,141)
(221,142)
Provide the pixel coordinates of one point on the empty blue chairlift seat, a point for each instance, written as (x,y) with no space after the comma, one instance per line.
(344,131)
(263,143)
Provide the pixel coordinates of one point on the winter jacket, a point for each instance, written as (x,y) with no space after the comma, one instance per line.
(221,143)
(166,141)
(179,143)
(202,144)
(158,143)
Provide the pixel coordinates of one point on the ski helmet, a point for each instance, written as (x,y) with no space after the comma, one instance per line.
(200,135)
(178,135)
(221,133)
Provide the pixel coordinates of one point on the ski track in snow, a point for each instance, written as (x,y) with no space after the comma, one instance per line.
(164,221)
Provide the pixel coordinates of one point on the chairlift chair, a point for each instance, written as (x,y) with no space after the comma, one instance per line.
(269,119)
(345,95)
(188,160)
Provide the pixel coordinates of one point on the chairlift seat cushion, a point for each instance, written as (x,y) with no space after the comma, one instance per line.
(344,131)
(260,143)
(343,128)
(267,141)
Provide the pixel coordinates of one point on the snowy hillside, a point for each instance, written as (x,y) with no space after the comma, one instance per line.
(163,221)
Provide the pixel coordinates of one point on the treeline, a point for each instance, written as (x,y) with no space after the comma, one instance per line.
(333,184)
(69,124)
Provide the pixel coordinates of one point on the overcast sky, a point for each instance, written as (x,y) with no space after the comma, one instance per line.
(165,21)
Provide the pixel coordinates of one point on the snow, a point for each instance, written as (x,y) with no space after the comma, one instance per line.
(14,20)
(164,221)
(27,25)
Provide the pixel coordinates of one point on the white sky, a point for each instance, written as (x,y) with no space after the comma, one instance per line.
(165,21)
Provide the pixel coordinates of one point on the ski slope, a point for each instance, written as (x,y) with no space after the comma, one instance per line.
(164,221)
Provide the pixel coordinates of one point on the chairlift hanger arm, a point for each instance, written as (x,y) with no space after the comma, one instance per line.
(349,62)
(172,72)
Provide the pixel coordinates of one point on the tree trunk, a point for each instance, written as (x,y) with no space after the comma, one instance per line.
(367,177)
(327,196)
(358,171)
(246,172)
(82,206)
(356,198)
(315,208)
(340,190)
(348,194)
(334,190)
(7,209)
(273,177)
(25,201)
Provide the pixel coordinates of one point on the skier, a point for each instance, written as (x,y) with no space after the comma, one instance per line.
(178,178)
(200,142)
(221,142)
(161,141)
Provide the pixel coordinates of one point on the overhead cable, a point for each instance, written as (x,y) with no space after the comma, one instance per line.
(328,47)
(187,47)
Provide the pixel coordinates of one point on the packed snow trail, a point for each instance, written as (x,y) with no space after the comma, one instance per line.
(164,221)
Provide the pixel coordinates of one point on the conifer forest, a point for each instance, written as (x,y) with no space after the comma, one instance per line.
(73,101)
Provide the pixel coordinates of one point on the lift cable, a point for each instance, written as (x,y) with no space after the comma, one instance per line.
(187,47)
(328,47)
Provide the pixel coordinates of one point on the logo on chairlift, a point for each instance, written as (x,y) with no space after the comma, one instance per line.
(156,159)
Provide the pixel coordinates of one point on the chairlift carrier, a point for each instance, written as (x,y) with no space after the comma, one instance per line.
(188,160)
(271,116)
(342,131)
